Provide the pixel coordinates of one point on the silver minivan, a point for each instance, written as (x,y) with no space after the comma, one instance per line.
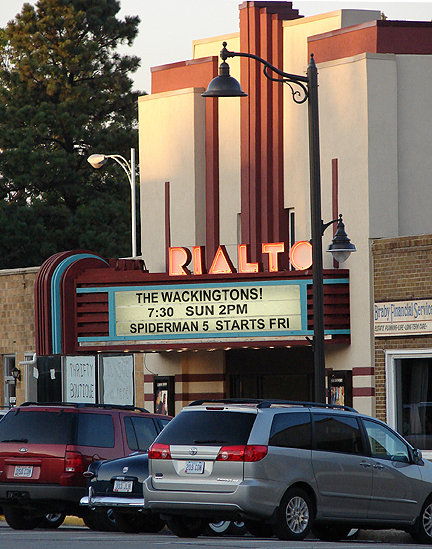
(286,468)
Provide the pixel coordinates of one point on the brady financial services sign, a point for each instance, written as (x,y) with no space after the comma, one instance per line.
(400,318)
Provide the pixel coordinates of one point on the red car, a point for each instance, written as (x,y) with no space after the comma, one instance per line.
(45,448)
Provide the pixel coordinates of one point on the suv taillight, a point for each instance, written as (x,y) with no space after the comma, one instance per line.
(248,453)
(74,462)
(159,451)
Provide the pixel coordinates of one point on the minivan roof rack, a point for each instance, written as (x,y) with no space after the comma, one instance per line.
(87,405)
(267,403)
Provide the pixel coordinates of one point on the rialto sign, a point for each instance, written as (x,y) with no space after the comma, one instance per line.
(300,256)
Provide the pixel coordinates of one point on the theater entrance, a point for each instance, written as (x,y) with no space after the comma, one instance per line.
(270,373)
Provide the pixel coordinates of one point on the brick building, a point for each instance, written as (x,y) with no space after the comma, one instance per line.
(402,277)
(17,332)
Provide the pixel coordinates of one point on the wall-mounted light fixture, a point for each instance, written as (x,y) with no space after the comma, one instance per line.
(16,374)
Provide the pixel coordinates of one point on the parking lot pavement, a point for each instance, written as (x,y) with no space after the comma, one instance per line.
(393,537)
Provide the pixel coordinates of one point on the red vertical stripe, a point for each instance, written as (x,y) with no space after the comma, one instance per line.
(167,225)
(335,198)
(245,125)
(212,177)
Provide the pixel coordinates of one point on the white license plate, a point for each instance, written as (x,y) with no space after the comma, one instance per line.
(23,471)
(194,467)
(123,485)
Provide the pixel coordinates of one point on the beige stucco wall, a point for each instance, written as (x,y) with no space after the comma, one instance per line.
(229,145)
(171,147)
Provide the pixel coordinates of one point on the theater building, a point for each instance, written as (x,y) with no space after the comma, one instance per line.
(219,304)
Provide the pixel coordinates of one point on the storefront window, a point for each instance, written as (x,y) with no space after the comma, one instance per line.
(414,400)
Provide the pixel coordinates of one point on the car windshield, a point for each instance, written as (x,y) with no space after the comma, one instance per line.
(208,428)
(38,427)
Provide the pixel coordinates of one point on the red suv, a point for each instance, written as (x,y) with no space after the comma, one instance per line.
(45,448)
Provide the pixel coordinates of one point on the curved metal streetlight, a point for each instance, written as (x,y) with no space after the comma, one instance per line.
(303,88)
(98,160)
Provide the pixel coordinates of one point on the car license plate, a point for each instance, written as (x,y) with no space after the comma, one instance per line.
(123,485)
(23,471)
(194,467)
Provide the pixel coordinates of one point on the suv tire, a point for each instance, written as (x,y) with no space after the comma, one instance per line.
(422,531)
(295,515)
(20,519)
(331,532)
(52,520)
(132,523)
(186,527)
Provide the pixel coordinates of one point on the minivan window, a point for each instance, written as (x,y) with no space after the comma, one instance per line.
(208,428)
(291,430)
(140,432)
(384,443)
(95,430)
(337,434)
(38,427)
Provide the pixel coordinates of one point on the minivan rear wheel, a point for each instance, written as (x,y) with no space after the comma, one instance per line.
(331,532)
(21,519)
(295,515)
(185,527)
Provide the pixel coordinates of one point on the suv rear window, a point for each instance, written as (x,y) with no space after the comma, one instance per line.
(208,428)
(39,427)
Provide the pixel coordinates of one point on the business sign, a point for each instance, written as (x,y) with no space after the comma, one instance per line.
(79,379)
(118,379)
(201,312)
(400,318)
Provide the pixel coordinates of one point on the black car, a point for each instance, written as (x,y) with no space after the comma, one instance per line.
(117,484)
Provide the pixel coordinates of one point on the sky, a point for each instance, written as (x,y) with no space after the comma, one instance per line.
(168,27)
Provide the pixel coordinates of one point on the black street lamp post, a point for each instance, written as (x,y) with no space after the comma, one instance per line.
(306,89)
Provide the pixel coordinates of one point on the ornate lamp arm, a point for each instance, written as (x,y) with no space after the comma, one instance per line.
(299,96)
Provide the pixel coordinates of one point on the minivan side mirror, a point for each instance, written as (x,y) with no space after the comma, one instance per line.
(417,457)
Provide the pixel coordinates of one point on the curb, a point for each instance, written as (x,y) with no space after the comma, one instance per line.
(73,521)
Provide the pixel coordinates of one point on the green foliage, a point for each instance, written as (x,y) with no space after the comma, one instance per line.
(65,93)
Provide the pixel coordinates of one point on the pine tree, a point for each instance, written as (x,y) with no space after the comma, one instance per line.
(65,93)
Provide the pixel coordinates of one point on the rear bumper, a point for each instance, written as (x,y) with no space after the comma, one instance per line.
(251,499)
(23,493)
(112,501)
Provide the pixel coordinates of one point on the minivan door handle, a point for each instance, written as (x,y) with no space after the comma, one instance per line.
(378,466)
(365,464)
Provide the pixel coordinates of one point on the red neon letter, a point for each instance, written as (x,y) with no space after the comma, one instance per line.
(244,266)
(178,258)
(198,260)
(273,249)
(301,255)
(221,263)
